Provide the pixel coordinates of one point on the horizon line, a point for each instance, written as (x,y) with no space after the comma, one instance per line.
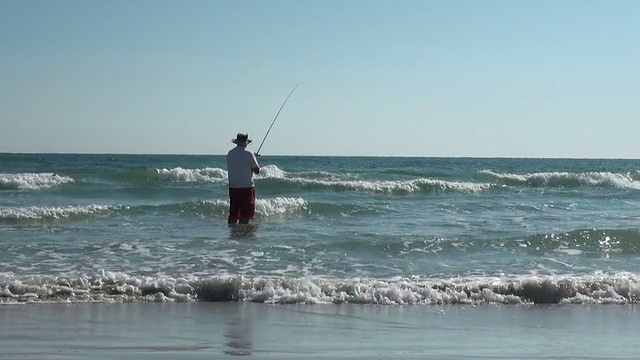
(303,155)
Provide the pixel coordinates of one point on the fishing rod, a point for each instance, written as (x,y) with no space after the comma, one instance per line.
(274,120)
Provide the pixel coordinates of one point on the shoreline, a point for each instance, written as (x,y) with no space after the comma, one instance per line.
(217,330)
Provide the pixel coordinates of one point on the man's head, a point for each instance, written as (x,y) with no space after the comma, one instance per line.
(241,140)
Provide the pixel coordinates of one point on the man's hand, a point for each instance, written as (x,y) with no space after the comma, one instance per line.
(256,154)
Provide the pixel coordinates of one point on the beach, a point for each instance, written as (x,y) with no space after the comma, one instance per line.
(210,330)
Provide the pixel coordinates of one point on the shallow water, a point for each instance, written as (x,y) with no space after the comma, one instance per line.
(218,330)
(151,228)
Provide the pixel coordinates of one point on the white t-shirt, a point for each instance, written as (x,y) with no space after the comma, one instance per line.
(239,164)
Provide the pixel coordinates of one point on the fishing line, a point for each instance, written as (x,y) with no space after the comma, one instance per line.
(274,120)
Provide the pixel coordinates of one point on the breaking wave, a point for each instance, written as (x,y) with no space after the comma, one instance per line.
(171,175)
(389,187)
(273,176)
(267,207)
(566,179)
(32,181)
(52,212)
(193,175)
(323,180)
(270,175)
(185,175)
(621,288)
(270,171)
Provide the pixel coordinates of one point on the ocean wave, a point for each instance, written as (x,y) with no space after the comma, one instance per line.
(171,175)
(281,206)
(271,171)
(272,175)
(566,179)
(389,187)
(186,175)
(32,181)
(193,175)
(266,207)
(51,212)
(212,174)
(621,288)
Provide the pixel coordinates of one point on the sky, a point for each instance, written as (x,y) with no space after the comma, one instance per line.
(377,78)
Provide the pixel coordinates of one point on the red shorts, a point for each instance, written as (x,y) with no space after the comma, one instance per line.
(242,203)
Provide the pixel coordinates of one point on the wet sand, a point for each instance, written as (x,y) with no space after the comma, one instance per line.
(221,330)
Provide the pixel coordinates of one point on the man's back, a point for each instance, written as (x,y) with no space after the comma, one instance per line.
(240,161)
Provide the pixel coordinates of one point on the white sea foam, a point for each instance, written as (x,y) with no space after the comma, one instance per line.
(266,207)
(584,289)
(119,287)
(623,181)
(101,287)
(270,171)
(407,186)
(280,206)
(193,175)
(51,212)
(32,181)
(274,172)
(180,174)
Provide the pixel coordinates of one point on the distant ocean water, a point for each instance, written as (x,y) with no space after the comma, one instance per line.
(362,230)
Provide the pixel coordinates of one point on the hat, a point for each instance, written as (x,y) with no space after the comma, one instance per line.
(241,139)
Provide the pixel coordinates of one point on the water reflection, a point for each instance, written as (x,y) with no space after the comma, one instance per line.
(243,231)
(239,333)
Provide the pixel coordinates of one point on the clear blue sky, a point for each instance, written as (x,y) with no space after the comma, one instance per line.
(409,78)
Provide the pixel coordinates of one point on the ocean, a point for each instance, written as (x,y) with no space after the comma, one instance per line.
(331,233)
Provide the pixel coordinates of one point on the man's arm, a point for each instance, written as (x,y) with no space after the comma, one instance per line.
(255,167)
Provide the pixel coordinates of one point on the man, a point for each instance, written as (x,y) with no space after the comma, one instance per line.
(241,165)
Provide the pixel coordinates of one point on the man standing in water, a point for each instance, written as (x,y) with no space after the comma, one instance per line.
(241,165)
